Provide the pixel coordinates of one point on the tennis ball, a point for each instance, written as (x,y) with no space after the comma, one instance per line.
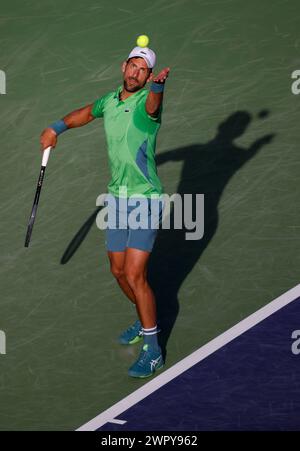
(142,40)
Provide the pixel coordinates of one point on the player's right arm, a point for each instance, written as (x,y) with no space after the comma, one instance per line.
(76,118)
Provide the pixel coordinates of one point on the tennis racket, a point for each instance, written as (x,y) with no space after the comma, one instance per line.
(46,154)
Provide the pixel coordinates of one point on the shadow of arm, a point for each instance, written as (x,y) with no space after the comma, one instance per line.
(171,155)
(258,144)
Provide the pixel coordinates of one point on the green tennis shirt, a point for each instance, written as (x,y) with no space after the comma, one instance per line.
(131,140)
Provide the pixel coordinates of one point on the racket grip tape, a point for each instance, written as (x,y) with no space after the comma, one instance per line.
(46,154)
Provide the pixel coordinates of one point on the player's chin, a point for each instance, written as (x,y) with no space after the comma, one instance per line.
(132,86)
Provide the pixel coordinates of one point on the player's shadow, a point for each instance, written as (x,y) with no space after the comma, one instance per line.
(79,237)
(207,168)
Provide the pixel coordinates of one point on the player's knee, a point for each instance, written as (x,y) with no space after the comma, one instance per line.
(134,277)
(117,272)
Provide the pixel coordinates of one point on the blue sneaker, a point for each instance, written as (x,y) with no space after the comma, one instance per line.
(132,335)
(148,362)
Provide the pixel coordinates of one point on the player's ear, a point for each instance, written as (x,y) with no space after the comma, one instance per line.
(151,75)
(124,64)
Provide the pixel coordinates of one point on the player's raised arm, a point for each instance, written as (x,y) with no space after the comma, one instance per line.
(155,96)
(76,118)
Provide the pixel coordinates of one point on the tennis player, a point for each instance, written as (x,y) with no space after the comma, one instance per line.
(132,118)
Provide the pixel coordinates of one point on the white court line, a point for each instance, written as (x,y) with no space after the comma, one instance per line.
(115,421)
(191,360)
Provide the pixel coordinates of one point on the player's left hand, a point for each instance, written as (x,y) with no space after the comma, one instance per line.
(162,76)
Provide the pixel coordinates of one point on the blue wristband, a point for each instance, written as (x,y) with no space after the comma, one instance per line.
(59,126)
(157,87)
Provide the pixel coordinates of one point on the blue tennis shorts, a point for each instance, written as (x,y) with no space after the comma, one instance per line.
(132,222)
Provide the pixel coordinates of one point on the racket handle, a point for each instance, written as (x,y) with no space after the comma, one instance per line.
(46,154)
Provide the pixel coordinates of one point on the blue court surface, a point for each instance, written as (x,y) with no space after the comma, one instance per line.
(245,379)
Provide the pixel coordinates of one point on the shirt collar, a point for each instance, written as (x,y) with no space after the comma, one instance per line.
(119,89)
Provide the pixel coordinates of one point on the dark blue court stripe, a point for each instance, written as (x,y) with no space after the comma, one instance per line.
(252,383)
